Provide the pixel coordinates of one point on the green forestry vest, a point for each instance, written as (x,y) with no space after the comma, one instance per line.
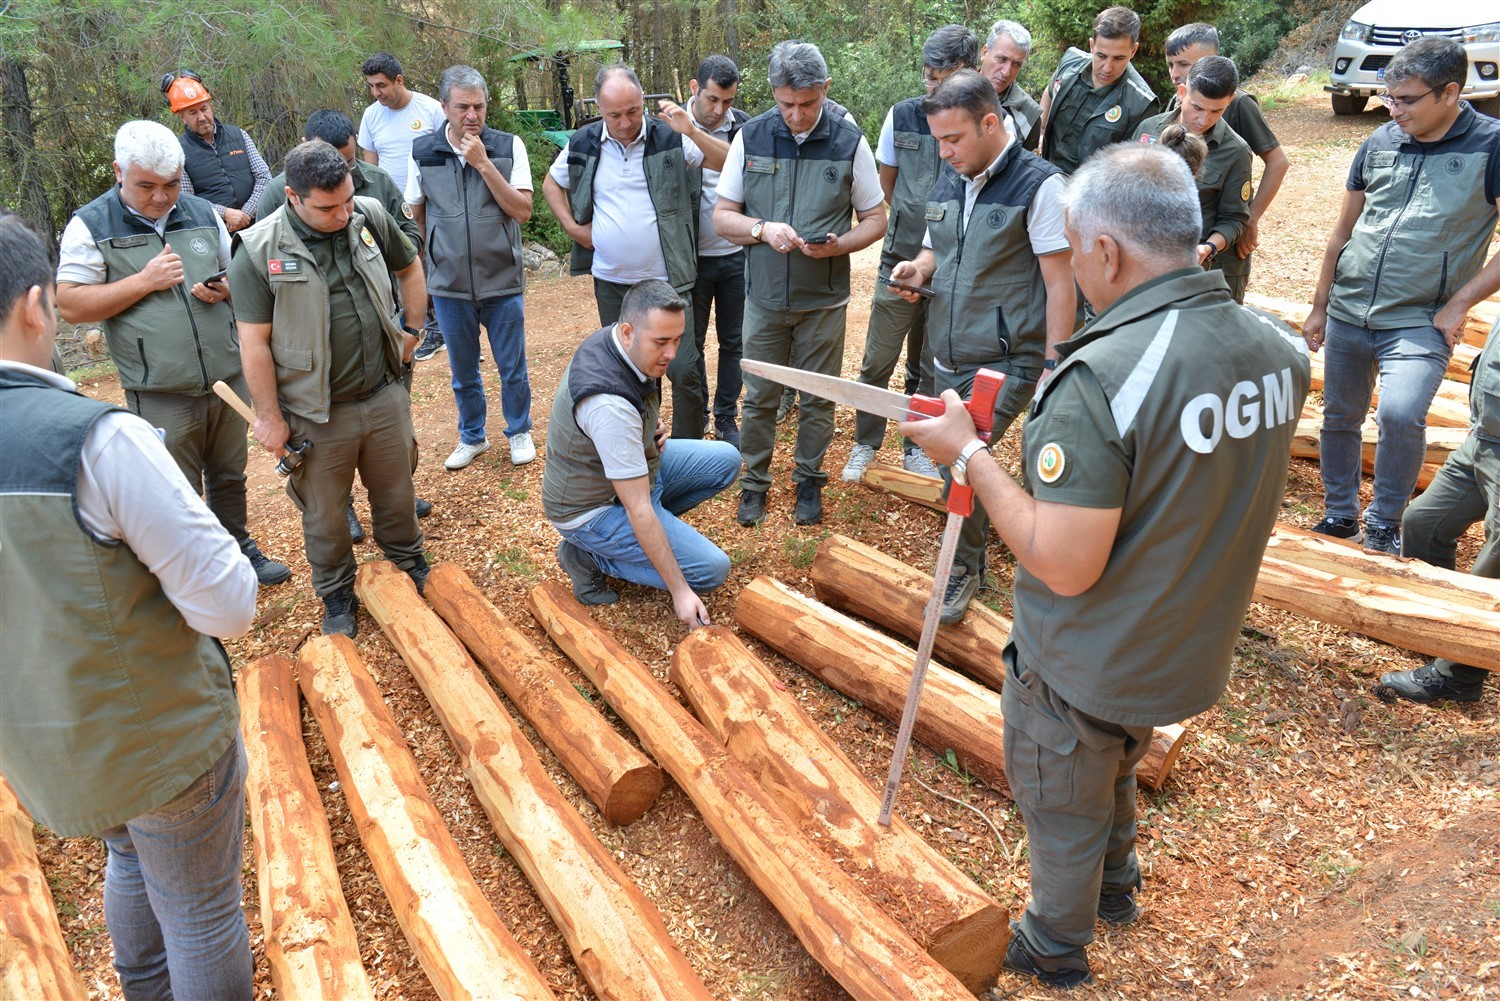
(1080,122)
(573,482)
(811,188)
(990,301)
(917,169)
(674,196)
(299,324)
(170,341)
(473,245)
(110,705)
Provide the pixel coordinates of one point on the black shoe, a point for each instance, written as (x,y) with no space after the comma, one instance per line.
(786,406)
(339,609)
(1062,972)
(418,574)
(1379,539)
(1118,908)
(962,586)
(809,510)
(356,530)
(424,508)
(752,508)
(589,585)
(1426,684)
(267,570)
(728,430)
(432,343)
(1339,528)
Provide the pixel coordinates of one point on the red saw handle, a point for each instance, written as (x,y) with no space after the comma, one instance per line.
(981,407)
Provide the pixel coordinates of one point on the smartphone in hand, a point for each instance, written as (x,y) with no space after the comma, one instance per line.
(216,277)
(825,238)
(921,290)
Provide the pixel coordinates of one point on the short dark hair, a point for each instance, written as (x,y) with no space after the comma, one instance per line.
(24,262)
(643,297)
(314,164)
(333,127)
(950,47)
(1434,60)
(720,69)
(1213,77)
(1117,22)
(964,89)
(1189,35)
(1186,145)
(381,62)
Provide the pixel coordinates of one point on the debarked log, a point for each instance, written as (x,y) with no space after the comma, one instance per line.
(849,934)
(923,490)
(620,780)
(453,931)
(956,713)
(34,960)
(810,778)
(616,935)
(310,943)
(1347,559)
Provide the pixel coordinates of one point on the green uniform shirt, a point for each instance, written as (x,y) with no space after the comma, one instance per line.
(1176,406)
(370,180)
(1224,181)
(1084,118)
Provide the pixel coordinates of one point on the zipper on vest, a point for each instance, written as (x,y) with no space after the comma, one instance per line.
(181,290)
(791,216)
(1385,245)
(463,185)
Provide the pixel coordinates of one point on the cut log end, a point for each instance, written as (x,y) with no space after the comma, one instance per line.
(971,947)
(633,794)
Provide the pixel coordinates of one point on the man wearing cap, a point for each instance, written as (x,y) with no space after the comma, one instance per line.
(137,260)
(222,163)
(1096,98)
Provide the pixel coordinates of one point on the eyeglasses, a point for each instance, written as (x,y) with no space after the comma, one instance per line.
(1402,103)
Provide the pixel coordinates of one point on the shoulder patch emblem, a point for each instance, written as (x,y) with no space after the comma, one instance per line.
(830,175)
(366,236)
(1112,115)
(1147,139)
(415,125)
(1245,191)
(200,246)
(406,210)
(1455,164)
(284,267)
(1051,463)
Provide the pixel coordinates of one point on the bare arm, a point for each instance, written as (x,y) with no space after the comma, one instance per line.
(1314,327)
(260,375)
(419,215)
(1062,298)
(635,497)
(92,303)
(1276,166)
(714,149)
(413,302)
(1065,547)
(888,181)
(556,197)
(369,156)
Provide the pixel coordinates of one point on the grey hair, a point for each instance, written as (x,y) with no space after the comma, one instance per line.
(1015,30)
(1142,196)
(461,78)
(643,297)
(950,47)
(150,146)
(616,69)
(1435,61)
(798,65)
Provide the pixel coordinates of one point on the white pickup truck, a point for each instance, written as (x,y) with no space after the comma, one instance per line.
(1378,30)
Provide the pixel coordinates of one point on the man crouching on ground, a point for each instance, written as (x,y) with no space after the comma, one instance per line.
(611,487)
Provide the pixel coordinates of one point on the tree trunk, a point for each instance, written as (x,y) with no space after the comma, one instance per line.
(310,943)
(18,151)
(863,581)
(454,933)
(620,780)
(844,930)
(956,713)
(615,933)
(729,12)
(1392,614)
(918,489)
(1347,559)
(809,777)
(34,960)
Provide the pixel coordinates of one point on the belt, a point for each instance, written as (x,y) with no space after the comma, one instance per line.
(385,380)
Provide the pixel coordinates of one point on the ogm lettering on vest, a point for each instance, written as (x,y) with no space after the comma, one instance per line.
(1247,407)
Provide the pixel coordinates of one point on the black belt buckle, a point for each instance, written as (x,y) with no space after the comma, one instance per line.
(385,381)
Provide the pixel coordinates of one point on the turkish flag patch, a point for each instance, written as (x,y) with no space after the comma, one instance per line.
(274,267)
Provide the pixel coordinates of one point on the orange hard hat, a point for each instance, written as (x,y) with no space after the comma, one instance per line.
(184,91)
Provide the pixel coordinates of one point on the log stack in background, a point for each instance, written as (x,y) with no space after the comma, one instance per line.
(34,960)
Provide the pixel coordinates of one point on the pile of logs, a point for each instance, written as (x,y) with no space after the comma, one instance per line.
(34,960)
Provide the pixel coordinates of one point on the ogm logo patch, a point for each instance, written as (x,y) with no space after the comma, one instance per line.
(1112,115)
(830,175)
(669,161)
(1245,190)
(1051,463)
(365,235)
(415,125)
(996,218)
(199,246)
(1455,165)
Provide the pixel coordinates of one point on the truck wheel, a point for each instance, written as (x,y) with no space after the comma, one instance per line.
(1349,104)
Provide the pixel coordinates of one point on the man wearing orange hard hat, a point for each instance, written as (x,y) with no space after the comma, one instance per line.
(222,163)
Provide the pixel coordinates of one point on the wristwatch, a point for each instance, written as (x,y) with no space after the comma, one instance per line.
(760,224)
(1049,364)
(409,330)
(960,466)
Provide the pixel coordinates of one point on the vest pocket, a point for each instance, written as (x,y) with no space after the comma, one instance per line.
(299,359)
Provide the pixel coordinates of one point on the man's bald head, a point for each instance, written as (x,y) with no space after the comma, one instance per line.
(621,101)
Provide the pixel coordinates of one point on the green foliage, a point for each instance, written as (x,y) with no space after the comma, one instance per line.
(543,226)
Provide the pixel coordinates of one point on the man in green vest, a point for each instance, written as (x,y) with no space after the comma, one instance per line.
(1001,60)
(1096,98)
(117,714)
(140,260)
(1172,402)
(794,176)
(323,353)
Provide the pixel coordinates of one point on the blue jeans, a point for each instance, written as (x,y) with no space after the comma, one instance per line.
(505,322)
(172,892)
(691,472)
(1411,362)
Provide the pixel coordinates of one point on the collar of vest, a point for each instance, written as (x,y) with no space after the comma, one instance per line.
(822,130)
(16,378)
(1149,297)
(442,144)
(195,137)
(131,218)
(1460,126)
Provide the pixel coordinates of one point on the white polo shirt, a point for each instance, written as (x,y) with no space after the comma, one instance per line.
(866,193)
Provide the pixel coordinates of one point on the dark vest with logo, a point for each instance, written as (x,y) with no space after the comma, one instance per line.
(917,168)
(473,245)
(221,172)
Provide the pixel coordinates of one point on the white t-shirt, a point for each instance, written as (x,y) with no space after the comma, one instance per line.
(80,261)
(388,132)
(623,210)
(520,170)
(866,193)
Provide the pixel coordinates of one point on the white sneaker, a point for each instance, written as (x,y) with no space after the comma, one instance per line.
(854,469)
(916,461)
(522,449)
(465,454)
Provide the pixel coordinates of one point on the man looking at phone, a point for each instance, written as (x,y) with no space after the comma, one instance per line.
(146,262)
(996,258)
